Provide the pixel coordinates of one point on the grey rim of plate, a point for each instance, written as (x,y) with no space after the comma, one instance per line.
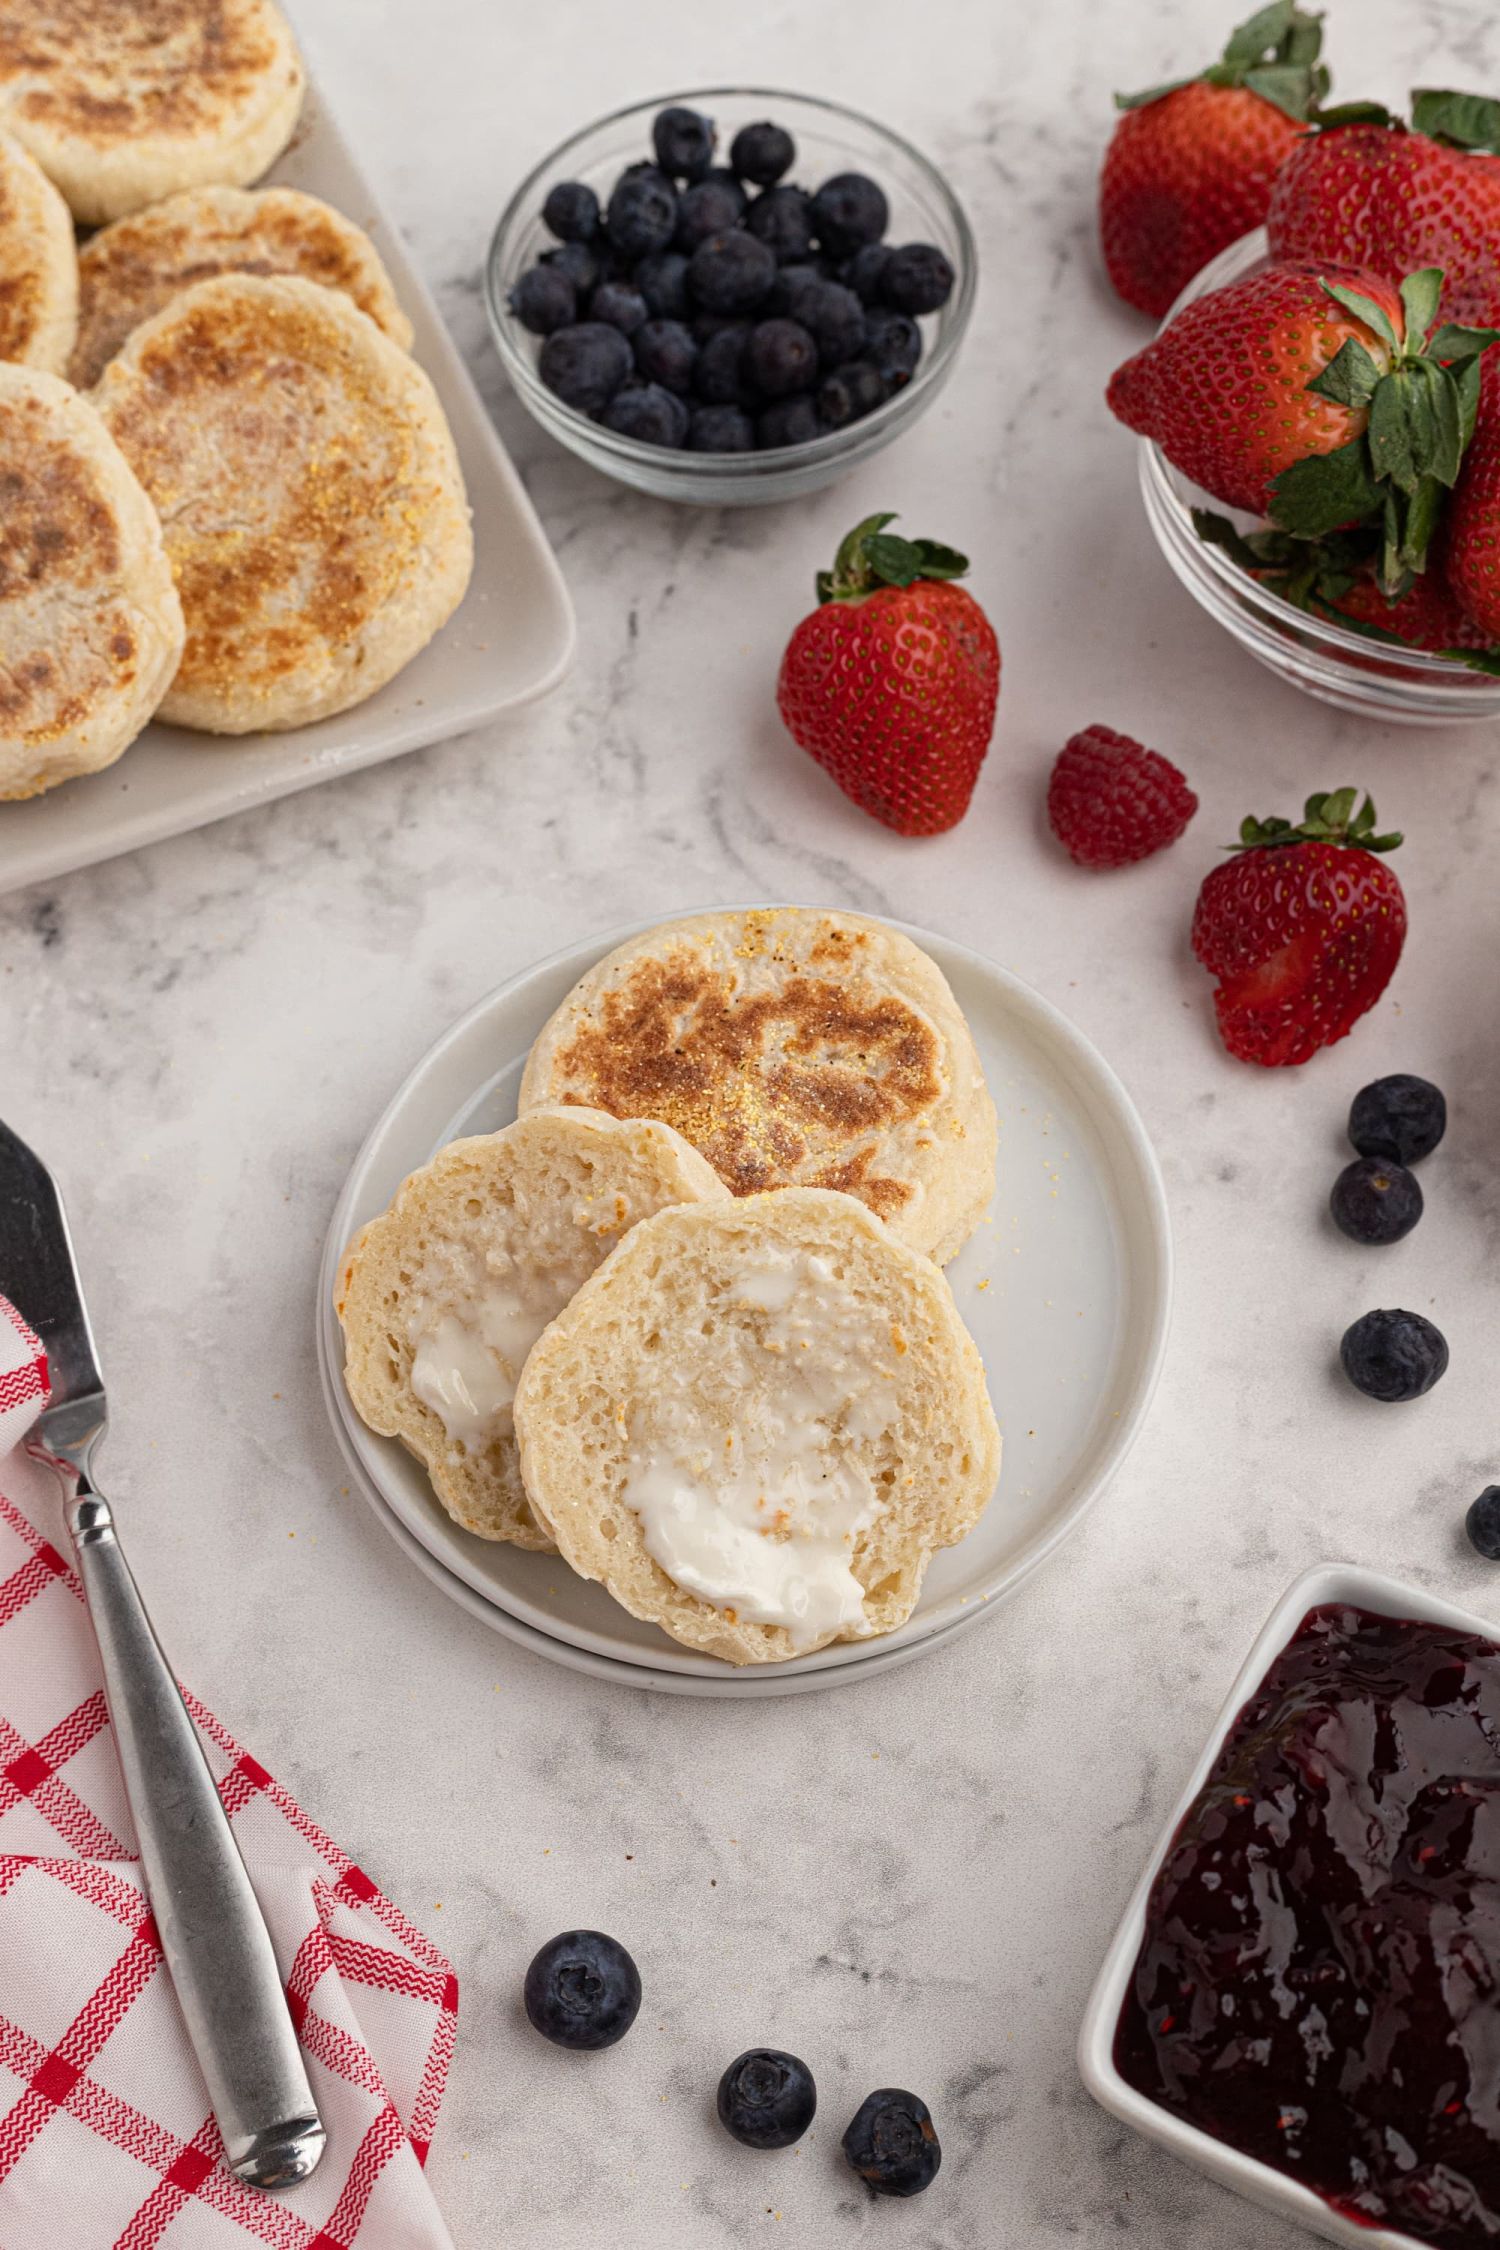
(1124,1180)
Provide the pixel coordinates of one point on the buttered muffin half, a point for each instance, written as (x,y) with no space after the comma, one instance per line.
(795,1048)
(90,625)
(38,265)
(757,1422)
(122,102)
(129,271)
(312,500)
(443,1296)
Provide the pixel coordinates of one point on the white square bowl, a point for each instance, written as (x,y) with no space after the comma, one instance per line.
(1259,2183)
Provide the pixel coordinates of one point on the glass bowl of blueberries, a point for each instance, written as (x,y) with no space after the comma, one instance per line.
(730,296)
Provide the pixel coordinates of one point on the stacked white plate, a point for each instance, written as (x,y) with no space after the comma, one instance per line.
(1066,1289)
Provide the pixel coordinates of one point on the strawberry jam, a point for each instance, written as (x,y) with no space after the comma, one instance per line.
(1319,1981)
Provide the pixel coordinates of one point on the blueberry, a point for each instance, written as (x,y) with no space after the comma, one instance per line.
(620,305)
(585,365)
(1400,1117)
(917,279)
(849,211)
(893,343)
(1394,1355)
(1374,1201)
(642,212)
(665,353)
(731,272)
(709,208)
(723,177)
(767,2099)
(788,288)
(721,429)
(583,1990)
(662,281)
(762,153)
(866,269)
(836,319)
(1482,1523)
(780,358)
(544,299)
(788,421)
(579,263)
(684,143)
(718,377)
(782,218)
(851,392)
(571,211)
(891,2142)
(648,412)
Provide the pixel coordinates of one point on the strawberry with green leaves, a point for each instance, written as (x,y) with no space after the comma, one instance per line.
(891,683)
(1302,929)
(1334,577)
(1472,531)
(1192,165)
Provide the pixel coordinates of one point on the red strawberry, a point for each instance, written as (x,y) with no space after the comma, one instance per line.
(1302,928)
(1111,801)
(891,683)
(1472,559)
(1426,616)
(1378,195)
(1191,165)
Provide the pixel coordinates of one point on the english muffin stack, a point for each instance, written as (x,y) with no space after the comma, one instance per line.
(720,1367)
(255,517)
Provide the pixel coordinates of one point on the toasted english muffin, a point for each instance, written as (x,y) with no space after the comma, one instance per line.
(90,625)
(123,102)
(129,271)
(443,1295)
(38,265)
(756,1422)
(794,1047)
(312,499)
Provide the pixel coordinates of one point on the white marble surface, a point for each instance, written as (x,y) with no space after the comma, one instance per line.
(911,1881)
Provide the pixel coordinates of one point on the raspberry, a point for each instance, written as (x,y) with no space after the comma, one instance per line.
(1111,801)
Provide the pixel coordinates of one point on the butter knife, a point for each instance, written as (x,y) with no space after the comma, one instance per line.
(213,1935)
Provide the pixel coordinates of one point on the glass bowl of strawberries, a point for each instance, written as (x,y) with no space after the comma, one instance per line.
(1323,625)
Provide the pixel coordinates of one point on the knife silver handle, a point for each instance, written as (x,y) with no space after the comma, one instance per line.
(213,1934)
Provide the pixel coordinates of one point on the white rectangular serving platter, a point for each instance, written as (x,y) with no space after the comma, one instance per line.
(510,640)
(1259,2183)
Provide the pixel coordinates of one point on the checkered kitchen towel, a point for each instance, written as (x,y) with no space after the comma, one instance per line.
(106,2138)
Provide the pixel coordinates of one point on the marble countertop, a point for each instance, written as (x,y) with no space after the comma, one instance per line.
(911,1881)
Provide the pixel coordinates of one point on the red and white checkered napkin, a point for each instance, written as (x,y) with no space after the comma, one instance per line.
(106,2138)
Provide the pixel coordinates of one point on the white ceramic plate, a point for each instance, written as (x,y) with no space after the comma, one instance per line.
(1274,2191)
(510,640)
(1066,1289)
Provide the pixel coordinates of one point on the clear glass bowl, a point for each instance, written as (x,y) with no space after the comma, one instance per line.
(1378,679)
(829,139)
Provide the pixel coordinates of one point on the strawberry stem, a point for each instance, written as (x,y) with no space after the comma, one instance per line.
(871,557)
(1274,53)
(1327,818)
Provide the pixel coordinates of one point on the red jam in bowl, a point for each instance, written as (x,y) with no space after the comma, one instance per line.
(1319,1981)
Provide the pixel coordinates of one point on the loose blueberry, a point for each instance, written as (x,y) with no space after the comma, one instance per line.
(767,2099)
(665,353)
(849,393)
(780,358)
(721,429)
(723,177)
(731,272)
(620,305)
(762,153)
(648,412)
(891,2142)
(1374,1201)
(866,270)
(684,143)
(709,208)
(849,211)
(782,219)
(580,263)
(662,281)
(718,377)
(789,421)
(585,365)
(917,279)
(544,299)
(1394,1356)
(1400,1117)
(1482,1523)
(583,1990)
(893,343)
(642,212)
(571,211)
